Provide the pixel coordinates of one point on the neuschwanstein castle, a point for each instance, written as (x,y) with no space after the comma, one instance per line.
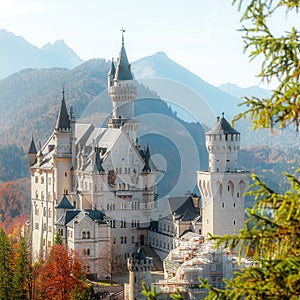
(96,186)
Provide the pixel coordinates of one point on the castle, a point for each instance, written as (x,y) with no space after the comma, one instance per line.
(95,187)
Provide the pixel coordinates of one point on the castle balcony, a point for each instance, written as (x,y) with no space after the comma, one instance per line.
(124,193)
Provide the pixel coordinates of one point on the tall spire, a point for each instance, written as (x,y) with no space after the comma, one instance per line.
(32,148)
(63,120)
(123,70)
(112,70)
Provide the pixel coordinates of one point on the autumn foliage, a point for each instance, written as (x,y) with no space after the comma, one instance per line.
(61,275)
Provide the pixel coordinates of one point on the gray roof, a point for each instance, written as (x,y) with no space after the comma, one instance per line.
(112,70)
(63,120)
(183,208)
(139,255)
(222,127)
(32,148)
(65,203)
(123,71)
(67,217)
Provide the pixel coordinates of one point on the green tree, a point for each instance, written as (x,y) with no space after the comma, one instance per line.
(58,239)
(280,62)
(22,276)
(6,258)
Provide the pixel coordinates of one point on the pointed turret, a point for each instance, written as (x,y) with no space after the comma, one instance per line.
(63,120)
(111,73)
(32,152)
(123,70)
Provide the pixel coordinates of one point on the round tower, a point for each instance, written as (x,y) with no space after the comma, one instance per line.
(222,187)
(222,144)
(139,267)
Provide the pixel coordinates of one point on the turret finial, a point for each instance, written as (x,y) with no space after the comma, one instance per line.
(122,30)
(63,93)
(222,114)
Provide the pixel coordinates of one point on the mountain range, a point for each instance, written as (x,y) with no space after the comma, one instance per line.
(17,54)
(30,99)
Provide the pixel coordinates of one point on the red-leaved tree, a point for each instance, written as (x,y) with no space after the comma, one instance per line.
(60,275)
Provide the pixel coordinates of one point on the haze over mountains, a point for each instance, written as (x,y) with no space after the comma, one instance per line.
(17,54)
(30,99)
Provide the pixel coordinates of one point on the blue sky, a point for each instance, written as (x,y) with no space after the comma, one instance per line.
(200,35)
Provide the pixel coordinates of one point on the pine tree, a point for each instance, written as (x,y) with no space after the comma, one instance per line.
(22,272)
(6,257)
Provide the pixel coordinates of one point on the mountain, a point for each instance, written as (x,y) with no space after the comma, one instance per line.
(17,54)
(160,65)
(60,49)
(239,92)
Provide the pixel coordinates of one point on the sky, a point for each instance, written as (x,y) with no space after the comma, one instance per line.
(200,35)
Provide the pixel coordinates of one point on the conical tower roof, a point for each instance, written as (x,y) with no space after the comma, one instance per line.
(32,148)
(112,70)
(63,120)
(65,203)
(222,127)
(123,70)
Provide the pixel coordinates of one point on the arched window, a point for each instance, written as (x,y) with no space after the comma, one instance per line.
(83,235)
(88,236)
(88,252)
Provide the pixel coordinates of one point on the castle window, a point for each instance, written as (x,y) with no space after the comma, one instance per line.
(88,236)
(228,188)
(234,204)
(36,210)
(114,240)
(226,136)
(42,180)
(88,252)
(42,195)
(132,239)
(36,226)
(36,179)
(66,174)
(233,222)
(125,239)
(121,240)
(238,195)
(84,235)
(223,204)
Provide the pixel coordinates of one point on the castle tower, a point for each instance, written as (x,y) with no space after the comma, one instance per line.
(63,138)
(51,179)
(122,92)
(223,185)
(139,267)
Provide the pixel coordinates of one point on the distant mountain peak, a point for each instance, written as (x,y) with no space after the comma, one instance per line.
(16,54)
(160,54)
